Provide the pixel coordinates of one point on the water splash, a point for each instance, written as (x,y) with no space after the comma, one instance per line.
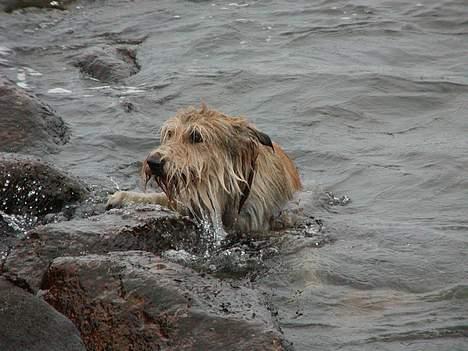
(212,232)
(333,200)
(116,185)
(19,224)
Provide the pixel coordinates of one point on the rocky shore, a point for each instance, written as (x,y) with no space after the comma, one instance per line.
(73,277)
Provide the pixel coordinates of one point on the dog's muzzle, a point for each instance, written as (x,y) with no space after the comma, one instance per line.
(156,165)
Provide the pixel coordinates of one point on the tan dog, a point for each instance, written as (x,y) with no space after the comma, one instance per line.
(220,168)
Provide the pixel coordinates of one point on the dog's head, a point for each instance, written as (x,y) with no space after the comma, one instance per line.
(206,159)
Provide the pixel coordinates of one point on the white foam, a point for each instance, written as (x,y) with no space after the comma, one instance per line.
(32,72)
(4,51)
(21,76)
(59,91)
(235,4)
(100,88)
(132,90)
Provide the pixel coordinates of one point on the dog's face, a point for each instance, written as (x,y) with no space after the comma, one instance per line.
(205,156)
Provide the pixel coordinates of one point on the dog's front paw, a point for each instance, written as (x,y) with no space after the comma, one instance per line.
(118,199)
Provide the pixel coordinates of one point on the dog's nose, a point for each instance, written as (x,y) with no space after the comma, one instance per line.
(156,165)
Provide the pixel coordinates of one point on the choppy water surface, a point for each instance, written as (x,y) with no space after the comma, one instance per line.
(370,98)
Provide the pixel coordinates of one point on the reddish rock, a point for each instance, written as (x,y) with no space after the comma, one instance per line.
(135,301)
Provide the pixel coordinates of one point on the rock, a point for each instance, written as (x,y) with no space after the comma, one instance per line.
(135,301)
(107,63)
(12,5)
(29,187)
(8,235)
(28,323)
(27,124)
(147,228)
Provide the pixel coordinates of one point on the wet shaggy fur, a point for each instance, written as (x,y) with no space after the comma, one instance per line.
(219,168)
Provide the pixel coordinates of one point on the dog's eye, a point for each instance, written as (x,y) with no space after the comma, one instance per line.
(169,134)
(195,137)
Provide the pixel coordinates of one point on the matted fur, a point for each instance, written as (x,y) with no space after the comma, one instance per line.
(221,168)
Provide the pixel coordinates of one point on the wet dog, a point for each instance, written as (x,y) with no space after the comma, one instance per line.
(217,167)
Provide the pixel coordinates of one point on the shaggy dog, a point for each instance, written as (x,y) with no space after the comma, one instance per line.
(216,167)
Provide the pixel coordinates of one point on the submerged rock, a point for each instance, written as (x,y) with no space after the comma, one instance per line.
(107,63)
(27,124)
(30,187)
(136,301)
(28,323)
(148,228)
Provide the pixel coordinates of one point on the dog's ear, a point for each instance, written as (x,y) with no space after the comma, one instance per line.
(262,138)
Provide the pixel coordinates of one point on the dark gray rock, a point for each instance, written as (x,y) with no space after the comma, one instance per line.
(28,323)
(27,124)
(12,5)
(107,63)
(30,187)
(8,235)
(136,301)
(146,228)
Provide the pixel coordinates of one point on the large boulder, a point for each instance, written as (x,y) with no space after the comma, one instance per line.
(107,63)
(147,228)
(26,123)
(136,301)
(30,187)
(29,323)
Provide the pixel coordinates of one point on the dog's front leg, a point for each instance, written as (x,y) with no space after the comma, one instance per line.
(121,198)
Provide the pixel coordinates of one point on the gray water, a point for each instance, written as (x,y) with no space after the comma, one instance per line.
(369,97)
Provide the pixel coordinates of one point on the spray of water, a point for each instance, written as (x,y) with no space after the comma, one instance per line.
(19,224)
(212,233)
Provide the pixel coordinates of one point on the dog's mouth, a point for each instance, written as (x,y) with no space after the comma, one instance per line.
(170,183)
(153,168)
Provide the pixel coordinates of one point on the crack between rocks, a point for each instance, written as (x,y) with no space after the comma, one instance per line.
(122,291)
(18,282)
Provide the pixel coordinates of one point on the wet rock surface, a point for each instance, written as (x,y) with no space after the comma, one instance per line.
(107,63)
(153,229)
(29,323)
(11,5)
(26,123)
(135,300)
(147,228)
(7,236)
(28,186)
(120,298)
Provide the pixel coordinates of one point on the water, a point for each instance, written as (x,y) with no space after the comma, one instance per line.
(369,97)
